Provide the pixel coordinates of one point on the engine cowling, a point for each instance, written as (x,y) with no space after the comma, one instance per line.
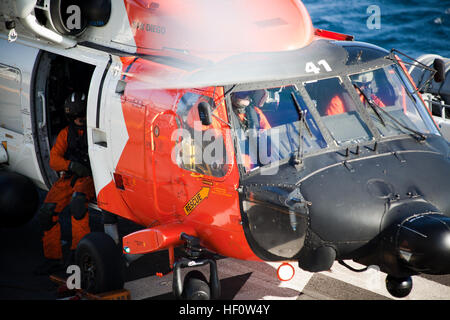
(73,17)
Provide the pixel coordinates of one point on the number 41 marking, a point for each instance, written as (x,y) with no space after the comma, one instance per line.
(311,67)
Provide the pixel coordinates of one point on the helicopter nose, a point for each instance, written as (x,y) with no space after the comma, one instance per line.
(423,243)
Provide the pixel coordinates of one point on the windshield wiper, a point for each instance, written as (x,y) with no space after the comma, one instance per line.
(432,71)
(298,160)
(418,135)
(301,114)
(371,104)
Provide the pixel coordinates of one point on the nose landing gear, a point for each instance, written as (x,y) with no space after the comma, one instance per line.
(195,286)
(399,287)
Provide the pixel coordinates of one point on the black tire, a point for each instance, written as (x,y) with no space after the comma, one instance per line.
(399,287)
(195,287)
(19,199)
(101,264)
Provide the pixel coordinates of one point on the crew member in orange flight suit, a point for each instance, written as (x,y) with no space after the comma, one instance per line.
(64,215)
(250,116)
(337,106)
(241,106)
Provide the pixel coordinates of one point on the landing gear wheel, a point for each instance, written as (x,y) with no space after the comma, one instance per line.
(100,262)
(399,287)
(196,287)
(19,199)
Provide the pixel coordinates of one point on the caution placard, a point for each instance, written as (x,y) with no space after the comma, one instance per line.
(196,200)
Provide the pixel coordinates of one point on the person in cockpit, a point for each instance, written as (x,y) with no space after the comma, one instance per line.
(366,86)
(246,107)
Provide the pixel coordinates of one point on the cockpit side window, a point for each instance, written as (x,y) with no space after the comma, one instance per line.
(201,148)
(267,124)
(338,111)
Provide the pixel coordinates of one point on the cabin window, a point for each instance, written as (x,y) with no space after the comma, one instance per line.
(11,111)
(201,148)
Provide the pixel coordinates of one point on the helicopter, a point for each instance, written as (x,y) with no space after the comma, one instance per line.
(340,161)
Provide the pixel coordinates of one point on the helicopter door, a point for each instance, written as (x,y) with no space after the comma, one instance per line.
(203,156)
(16,134)
(56,77)
(162,172)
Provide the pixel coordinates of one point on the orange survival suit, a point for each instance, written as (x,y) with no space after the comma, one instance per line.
(73,190)
(337,106)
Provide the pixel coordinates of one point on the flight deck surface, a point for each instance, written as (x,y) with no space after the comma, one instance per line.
(21,253)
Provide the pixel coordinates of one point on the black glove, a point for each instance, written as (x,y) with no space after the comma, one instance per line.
(78,205)
(45,216)
(79,169)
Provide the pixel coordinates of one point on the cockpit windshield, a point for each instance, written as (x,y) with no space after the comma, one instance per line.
(338,111)
(276,123)
(388,99)
(269,127)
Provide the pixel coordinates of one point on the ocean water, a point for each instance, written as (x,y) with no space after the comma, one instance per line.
(414,27)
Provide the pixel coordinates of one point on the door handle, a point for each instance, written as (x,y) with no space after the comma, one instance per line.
(43,123)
